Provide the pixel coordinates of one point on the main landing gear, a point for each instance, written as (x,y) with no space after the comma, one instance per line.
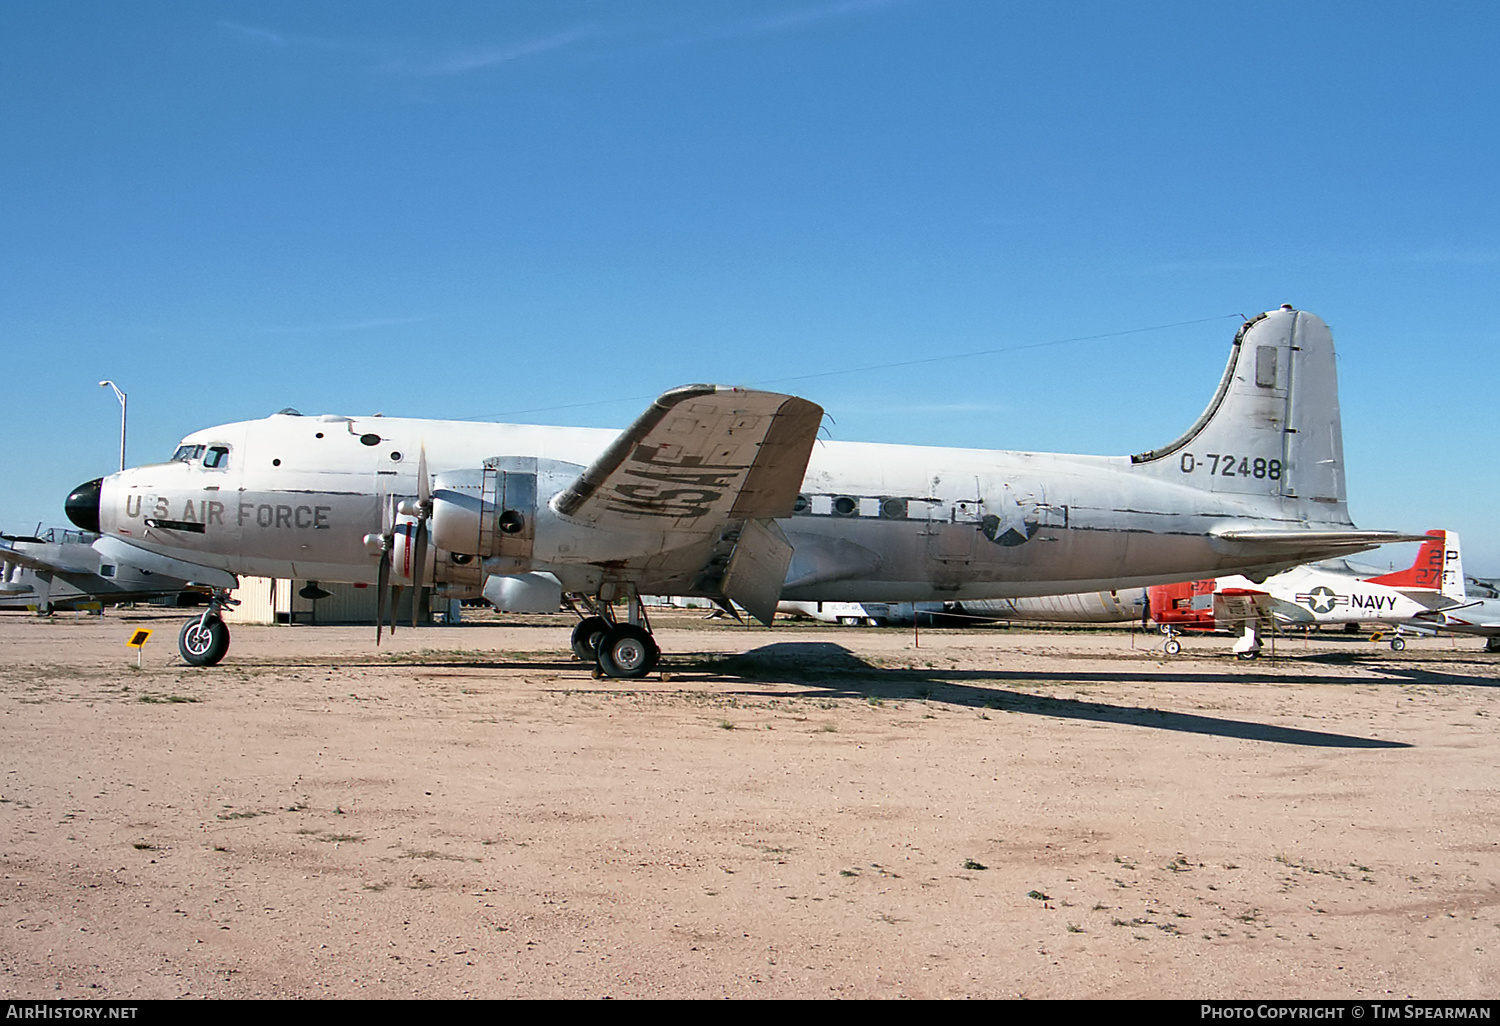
(623,650)
(204,640)
(1248,646)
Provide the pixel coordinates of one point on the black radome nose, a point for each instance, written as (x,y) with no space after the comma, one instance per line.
(82,505)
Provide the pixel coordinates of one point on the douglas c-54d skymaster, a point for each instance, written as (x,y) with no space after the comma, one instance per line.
(723,493)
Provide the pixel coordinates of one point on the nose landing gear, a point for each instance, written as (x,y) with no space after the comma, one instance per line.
(204,640)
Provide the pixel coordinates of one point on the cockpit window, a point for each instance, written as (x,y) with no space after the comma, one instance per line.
(214,457)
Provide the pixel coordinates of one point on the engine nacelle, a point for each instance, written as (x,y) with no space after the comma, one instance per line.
(489,512)
(461,571)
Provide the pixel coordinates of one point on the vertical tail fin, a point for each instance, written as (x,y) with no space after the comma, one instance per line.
(1273,429)
(1438,567)
(1454,586)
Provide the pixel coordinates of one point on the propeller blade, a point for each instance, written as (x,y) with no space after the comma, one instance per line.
(382,589)
(418,547)
(418,566)
(383,604)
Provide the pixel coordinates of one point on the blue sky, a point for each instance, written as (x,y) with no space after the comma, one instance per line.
(548,211)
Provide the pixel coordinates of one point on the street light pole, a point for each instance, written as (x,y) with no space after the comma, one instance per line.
(120,396)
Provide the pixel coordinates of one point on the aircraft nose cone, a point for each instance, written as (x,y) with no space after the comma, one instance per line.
(82,505)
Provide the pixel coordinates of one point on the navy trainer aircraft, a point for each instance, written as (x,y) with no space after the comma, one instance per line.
(1475,608)
(723,493)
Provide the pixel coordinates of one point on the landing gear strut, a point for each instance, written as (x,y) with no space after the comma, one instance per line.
(1172,646)
(622,650)
(204,640)
(1248,647)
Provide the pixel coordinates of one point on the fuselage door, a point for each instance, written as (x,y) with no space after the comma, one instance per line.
(953,530)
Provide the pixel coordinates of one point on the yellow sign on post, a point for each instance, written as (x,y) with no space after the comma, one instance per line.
(138,641)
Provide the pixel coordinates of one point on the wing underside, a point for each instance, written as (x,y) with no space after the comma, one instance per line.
(700,456)
(704,473)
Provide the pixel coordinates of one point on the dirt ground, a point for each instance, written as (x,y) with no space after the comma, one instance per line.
(797,812)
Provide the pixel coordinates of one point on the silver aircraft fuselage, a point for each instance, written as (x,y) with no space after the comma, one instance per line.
(1255,486)
(301,492)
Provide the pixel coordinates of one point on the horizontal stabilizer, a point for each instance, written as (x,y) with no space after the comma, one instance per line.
(1278,543)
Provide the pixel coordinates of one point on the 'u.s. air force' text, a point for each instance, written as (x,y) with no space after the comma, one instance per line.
(205,512)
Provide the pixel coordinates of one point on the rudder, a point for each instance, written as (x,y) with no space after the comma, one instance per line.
(1439,567)
(1273,428)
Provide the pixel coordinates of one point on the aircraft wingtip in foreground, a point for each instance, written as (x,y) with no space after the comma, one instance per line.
(59,569)
(719,493)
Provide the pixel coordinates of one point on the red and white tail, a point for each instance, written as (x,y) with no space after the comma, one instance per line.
(1438,568)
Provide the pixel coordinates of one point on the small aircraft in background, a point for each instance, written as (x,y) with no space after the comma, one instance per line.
(1477,609)
(1114,605)
(60,569)
(726,494)
(1479,616)
(1118,605)
(1432,595)
(867,614)
(1315,595)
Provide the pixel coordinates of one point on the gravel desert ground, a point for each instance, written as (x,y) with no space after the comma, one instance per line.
(796,812)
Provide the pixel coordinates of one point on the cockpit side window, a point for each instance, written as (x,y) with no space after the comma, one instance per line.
(217,457)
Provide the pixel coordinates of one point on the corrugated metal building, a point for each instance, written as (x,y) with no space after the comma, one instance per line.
(265,600)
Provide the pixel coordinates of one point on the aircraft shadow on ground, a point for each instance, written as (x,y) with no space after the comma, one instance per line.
(837,672)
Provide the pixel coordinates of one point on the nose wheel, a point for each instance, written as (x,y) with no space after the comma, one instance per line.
(204,640)
(1171,646)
